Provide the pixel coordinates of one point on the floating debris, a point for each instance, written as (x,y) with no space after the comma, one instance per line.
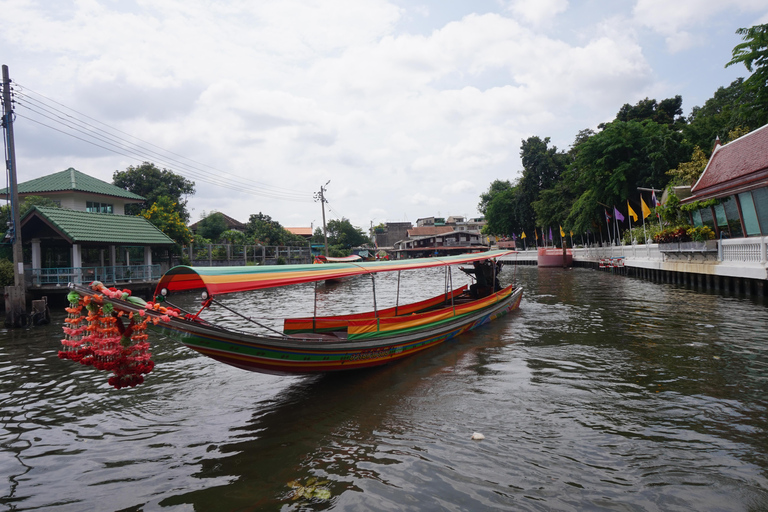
(477,436)
(312,490)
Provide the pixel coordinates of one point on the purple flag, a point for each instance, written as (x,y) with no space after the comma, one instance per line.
(618,214)
(550,233)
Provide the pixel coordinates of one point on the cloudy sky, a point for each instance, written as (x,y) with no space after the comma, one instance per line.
(410,108)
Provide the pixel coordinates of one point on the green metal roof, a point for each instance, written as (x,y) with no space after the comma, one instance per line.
(79,227)
(73,180)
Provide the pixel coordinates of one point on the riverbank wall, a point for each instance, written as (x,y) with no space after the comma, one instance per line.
(733,266)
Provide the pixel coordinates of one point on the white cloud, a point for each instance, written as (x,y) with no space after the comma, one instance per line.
(537,12)
(675,20)
(287,95)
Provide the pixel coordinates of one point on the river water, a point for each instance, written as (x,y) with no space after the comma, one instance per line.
(601,393)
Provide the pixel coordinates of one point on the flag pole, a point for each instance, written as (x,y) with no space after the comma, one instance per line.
(607,228)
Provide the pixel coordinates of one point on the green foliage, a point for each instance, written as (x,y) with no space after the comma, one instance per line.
(688,172)
(668,112)
(497,187)
(232,236)
(684,233)
(500,213)
(342,233)
(211,226)
(6,273)
(164,215)
(150,182)
(264,230)
(718,116)
(753,53)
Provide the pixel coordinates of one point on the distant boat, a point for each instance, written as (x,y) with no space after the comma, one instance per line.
(340,259)
(313,344)
(553,257)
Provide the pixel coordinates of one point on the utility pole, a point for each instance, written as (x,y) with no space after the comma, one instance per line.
(15,299)
(320,196)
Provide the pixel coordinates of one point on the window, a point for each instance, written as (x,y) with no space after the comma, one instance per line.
(760,196)
(722,222)
(732,213)
(750,215)
(95,207)
(706,218)
(697,219)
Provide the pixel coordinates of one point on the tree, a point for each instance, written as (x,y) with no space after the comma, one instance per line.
(543,167)
(753,53)
(688,172)
(152,183)
(497,186)
(500,215)
(342,233)
(669,111)
(269,232)
(164,215)
(211,226)
(719,115)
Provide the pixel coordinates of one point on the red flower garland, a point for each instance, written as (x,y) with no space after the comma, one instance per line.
(101,340)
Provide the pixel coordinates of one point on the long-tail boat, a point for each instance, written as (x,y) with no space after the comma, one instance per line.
(314,344)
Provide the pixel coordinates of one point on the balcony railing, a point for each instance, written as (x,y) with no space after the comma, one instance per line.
(37,277)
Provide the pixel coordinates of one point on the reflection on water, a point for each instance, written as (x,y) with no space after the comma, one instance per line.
(601,392)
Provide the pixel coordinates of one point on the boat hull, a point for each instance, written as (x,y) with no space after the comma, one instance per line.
(281,356)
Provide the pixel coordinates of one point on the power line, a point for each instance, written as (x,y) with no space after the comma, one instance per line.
(71,125)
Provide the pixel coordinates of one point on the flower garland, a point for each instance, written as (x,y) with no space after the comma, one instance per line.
(101,339)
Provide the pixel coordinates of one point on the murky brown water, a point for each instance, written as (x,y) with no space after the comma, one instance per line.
(601,393)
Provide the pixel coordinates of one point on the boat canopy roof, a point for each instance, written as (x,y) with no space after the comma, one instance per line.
(219,280)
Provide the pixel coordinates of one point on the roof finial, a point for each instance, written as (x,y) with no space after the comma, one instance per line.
(717,143)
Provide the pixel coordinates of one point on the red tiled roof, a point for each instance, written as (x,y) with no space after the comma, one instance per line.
(429,231)
(737,166)
(300,231)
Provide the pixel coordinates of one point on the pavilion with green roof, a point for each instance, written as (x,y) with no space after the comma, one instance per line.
(89,237)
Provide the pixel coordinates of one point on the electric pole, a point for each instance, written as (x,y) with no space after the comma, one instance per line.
(15,300)
(320,196)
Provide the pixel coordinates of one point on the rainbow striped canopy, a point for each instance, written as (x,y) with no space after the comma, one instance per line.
(218,280)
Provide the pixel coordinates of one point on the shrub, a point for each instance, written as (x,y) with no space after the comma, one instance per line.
(6,273)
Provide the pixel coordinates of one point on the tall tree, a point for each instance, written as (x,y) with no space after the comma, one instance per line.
(497,186)
(668,111)
(719,115)
(543,167)
(753,53)
(149,181)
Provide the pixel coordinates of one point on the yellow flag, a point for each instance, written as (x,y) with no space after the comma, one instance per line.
(631,211)
(571,232)
(536,234)
(523,235)
(562,233)
(646,210)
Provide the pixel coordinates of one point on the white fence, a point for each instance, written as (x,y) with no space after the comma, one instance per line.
(737,257)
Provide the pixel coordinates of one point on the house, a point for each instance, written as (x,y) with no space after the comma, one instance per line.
(737,176)
(450,242)
(89,237)
(305,233)
(392,232)
(229,221)
(75,190)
